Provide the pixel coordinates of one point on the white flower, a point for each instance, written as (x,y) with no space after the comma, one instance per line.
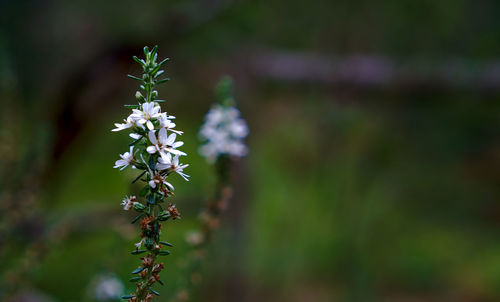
(164,163)
(165,122)
(223,132)
(149,111)
(129,122)
(209,151)
(236,148)
(215,115)
(172,164)
(128,202)
(157,180)
(138,244)
(239,128)
(127,159)
(107,287)
(164,144)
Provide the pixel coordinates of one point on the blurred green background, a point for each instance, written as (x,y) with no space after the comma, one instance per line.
(373,172)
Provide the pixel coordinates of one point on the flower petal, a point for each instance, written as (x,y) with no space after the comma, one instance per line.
(171,139)
(177,152)
(177,144)
(150,125)
(152,137)
(162,136)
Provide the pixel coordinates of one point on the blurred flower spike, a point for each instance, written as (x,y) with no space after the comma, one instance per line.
(222,136)
(154,153)
(224,130)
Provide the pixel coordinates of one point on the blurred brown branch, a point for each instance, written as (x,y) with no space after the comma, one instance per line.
(365,71)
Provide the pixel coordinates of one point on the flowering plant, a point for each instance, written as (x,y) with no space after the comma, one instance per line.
(222,134)
(154,152)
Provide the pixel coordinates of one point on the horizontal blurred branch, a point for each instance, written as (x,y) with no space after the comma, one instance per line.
(378,71)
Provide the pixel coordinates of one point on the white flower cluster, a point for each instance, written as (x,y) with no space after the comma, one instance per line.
(154,133)
(223,131)
(107,287)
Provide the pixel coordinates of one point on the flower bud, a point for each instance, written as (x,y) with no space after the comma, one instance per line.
(138,95)
(172,209)
(164,216)
(139,207)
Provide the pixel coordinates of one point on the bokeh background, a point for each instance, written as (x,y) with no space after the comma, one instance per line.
(373,172)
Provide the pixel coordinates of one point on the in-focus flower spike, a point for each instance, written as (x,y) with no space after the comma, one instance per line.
(127,158)
(154,143)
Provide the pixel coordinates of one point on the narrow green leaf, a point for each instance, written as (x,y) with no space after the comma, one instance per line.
(131,106)
(137,178)
(156,70)
(128,297)
(154,50)
(134,77)
(137,218)
(139,60)
(164,253)
(141,166)
(135,279)
(163,62)
(162,81)
(166,243)
(159,73)
(161,282)
(154,292)
(138,270)
(137,252)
